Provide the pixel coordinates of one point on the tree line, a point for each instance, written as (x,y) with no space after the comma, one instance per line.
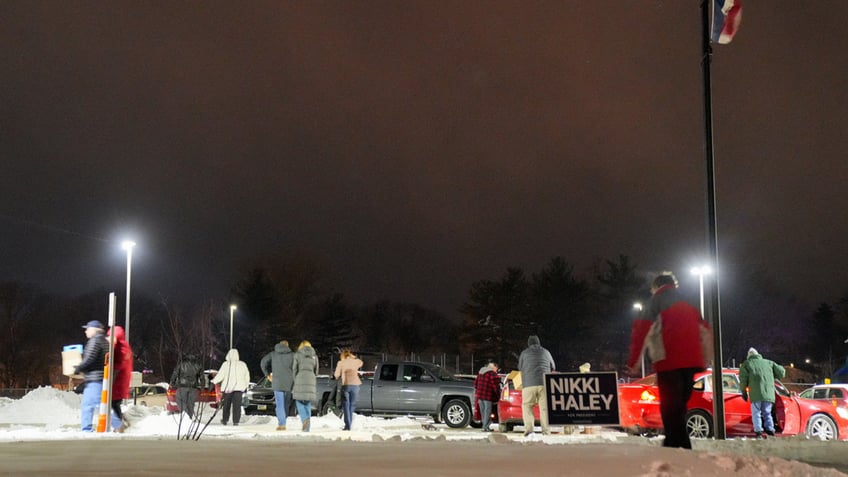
(580,317)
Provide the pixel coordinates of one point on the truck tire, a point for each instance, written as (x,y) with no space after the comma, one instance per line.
(456,413)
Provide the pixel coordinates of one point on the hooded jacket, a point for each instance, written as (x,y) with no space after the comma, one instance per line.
(758,375)
(534,363)
(123,366)
(233,375)
(305,369)
(279,362)
(672,333)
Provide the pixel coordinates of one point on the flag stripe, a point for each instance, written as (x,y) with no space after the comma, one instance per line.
(727,15)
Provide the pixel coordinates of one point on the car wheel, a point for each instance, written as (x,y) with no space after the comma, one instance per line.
(699,424)
(456,414)
(821,427)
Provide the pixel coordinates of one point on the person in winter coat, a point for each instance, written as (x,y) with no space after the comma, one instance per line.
(91,366)
(674,337)
(534,362)
(487,392)
(756,377)
(304,391)
(234,378)
(347,371)
(187,378)
(277,366)
(122,363)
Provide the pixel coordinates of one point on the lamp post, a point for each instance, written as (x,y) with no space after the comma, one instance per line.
(701,271)
(128,246)
(638,307)
(232,310)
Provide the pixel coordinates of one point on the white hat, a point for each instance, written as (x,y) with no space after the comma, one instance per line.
(752,352)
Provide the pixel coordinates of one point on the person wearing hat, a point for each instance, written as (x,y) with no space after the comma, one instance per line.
(756,378)
(675,338)
(534,362)
(91,366)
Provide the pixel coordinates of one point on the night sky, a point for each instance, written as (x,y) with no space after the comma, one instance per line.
(414,147)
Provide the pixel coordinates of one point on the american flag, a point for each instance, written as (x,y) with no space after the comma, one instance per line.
(727,15)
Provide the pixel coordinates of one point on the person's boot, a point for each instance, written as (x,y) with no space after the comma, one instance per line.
(306,425)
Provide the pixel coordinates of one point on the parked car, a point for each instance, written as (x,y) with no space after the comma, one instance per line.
(151,395)
(792,414)
(209,394)
(836,394)
(259,398)
(509,406)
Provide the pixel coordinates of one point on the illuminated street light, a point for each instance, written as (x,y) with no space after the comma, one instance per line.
(128,246)
(232,310)
(701,271)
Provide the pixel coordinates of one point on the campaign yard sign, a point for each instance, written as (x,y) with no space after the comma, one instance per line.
(582,398)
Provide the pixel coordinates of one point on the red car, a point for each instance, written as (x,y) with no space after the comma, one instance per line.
(509,407)
(792,414)
(211,394)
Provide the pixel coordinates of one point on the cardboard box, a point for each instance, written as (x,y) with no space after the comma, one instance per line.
(71,357)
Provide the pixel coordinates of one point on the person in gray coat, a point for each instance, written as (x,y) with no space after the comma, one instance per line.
(304,391)
(277,367)
(534,363)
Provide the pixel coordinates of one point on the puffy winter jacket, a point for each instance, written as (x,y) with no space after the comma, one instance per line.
(94,358)
(305,369)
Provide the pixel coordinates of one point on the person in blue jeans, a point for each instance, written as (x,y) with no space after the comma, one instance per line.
(304,390)
(756,377)
(277,366)
(91,366)
(347,369)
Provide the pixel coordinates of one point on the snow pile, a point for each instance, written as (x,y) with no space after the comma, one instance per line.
(45,405)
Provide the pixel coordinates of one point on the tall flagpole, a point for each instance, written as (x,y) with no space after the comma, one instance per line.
(712,302)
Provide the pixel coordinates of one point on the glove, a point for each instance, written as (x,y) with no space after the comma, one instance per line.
(745,396)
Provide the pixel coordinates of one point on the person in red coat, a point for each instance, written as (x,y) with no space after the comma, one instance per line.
(674,336)
(122,372)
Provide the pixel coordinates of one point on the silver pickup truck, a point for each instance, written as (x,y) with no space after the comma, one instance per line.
(412,388)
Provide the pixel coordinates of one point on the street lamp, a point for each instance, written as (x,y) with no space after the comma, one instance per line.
(232,310)
(128,246)
(701,271)
(638,307)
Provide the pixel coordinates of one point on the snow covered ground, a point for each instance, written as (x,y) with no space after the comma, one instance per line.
(39,436)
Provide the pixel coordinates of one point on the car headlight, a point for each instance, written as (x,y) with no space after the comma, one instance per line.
(843,413)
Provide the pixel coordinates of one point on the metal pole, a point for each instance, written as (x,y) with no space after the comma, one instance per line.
(129,275)
(712,310)
(701,285)
(232,309)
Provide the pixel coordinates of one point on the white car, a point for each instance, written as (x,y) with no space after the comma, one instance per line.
(151,395)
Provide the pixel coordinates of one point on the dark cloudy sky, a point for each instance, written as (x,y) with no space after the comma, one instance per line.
(414,147)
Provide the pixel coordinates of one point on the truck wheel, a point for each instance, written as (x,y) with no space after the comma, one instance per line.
(456,413)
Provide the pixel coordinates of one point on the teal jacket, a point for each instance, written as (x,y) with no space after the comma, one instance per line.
(758,375)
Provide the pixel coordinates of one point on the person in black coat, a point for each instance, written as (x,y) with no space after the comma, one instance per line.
(187,378)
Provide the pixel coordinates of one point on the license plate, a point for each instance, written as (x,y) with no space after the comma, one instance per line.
(261,407)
